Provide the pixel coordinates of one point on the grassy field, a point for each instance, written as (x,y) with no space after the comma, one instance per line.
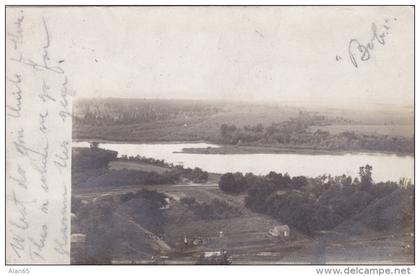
(245,237)
(123,165)
(379,129)
(187,120)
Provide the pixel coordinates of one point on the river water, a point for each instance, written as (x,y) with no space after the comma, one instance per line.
(385,166)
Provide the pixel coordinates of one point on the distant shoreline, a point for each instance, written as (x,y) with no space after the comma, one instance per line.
(107,141)
(230,149)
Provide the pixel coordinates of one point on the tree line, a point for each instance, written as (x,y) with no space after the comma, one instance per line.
(216,209)
(315,204)
(103,112)
(296,132)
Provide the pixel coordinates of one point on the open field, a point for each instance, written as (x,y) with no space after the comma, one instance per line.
(340,248)
(244,237)
(168,120)
(123,165)
(380,129)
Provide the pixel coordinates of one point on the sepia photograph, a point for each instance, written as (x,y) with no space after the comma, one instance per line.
(210,135)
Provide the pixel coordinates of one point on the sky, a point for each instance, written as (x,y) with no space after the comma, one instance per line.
(270,54)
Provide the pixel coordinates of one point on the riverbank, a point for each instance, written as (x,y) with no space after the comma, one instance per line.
(261,149)
(134,142)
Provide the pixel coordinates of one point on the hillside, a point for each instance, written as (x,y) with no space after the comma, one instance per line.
(254,127)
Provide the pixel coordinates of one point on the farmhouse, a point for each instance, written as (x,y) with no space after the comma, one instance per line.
(281,231)
(78,238)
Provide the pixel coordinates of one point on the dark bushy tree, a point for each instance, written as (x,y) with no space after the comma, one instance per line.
(233,183)
(365,174)
(298,182)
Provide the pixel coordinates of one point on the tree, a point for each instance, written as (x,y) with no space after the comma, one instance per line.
(233,183)
(226,131)
(281,181)
(298,182)
(94,145)
(189,202)
(258,194)
(227,182)
(365,174)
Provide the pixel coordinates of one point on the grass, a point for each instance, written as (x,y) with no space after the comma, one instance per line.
(380,129)
(121,165)
(191,127)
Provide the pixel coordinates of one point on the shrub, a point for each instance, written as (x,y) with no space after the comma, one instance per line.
(233,183)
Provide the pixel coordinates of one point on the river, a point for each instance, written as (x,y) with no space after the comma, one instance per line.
(385,166)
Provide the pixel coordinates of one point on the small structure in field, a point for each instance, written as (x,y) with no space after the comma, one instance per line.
(78,238)
(213,253)
(166,205)
(192,241)
(280,231)
(215,257)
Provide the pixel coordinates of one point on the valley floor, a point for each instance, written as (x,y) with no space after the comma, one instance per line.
(246,237)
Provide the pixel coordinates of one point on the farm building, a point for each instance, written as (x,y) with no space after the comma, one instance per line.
(281,231)
(78,238)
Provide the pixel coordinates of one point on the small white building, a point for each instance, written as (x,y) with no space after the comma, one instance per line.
(280,231)
(167,204)
(208,254)
(78,238)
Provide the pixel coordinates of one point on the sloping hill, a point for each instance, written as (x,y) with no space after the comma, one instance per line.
(392,213)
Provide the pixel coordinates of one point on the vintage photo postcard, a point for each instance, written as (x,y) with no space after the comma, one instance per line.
(184,135)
